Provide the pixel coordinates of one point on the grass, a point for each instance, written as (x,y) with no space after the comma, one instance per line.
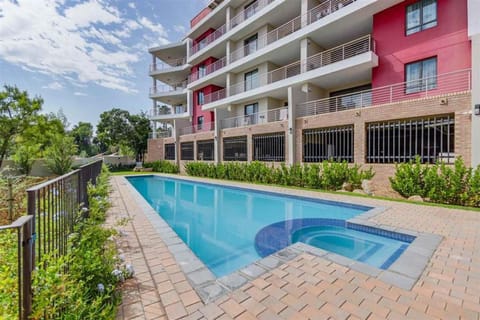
(346,193)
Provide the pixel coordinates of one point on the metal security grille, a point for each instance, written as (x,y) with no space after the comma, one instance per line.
(269,147)
(170,151)
(328,143)
(400,141)
(235,149)
(205,150)
(186,151)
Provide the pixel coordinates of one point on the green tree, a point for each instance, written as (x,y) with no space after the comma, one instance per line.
(118,127)
(24,157)
(41,132)
(17,112)
(59,156)
(82,134)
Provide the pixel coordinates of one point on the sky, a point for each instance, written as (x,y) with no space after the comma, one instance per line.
(87,56)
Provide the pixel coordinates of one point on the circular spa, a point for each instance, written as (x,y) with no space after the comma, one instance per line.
(377,247)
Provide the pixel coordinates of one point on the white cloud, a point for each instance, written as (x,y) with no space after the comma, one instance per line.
(79,94)
(89,42)
(53,86)
(179,28)
(131,5)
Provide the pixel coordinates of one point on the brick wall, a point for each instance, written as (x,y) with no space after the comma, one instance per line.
(155,149)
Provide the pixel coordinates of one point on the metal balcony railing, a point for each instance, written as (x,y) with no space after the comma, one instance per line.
(249,12)
(337,54)
(209,39)
(169,110)
(204,127)
(168,88)
(326,8)
(168,64)
(451,82)
(272,115)
(217,65)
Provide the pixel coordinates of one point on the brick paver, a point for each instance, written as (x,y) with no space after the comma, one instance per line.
(308,287)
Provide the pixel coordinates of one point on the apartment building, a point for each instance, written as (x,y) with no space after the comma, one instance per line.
(302,81)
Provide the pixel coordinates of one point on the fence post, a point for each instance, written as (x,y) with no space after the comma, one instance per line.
(27,233)
(10,200)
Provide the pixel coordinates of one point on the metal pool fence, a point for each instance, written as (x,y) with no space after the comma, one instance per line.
(52,208)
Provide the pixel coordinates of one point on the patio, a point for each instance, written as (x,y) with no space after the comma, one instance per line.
(307,286)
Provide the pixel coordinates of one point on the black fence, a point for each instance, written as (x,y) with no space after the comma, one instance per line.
(52,208)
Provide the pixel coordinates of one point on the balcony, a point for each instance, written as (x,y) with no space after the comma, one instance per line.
(272,115)
(326,8)
(168,90)
(217,65)
(167,65)
(338,54)
(452,82)
(208,39)
(160,134)
(198,128)
(249,12)
(169,113)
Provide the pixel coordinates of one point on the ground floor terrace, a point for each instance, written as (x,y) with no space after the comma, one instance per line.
(302,284)
(435,128)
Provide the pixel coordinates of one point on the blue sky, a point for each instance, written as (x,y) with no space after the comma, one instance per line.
(87,56)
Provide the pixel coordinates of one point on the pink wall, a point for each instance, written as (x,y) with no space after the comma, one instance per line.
(194,69)
(202,14)
(448,41)
(208,116)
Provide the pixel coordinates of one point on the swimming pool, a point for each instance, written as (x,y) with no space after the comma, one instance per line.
(220,224)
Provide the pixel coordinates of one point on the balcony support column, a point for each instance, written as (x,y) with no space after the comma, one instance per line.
(228,52)
(220,114)
(295,97)
(228,15)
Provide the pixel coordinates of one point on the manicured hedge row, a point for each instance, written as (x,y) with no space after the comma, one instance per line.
(328,175)
(439,183)
(162,166)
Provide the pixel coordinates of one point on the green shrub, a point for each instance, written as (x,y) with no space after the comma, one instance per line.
(439,183)
(162,166)
(24,157)
(8,275)
(328,175)
(59,156)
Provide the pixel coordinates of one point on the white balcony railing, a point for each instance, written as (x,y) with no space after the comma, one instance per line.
(248,12)
(452,82)
(168,64)
(209,39)
(168,88)
(337,54)
(155,112)
(326,8)
(217,65)
(273,115)
(204,127)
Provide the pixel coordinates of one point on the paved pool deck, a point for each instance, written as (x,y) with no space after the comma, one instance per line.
(306,284)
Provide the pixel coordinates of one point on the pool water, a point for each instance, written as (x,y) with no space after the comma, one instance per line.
(361,246)
(219,223)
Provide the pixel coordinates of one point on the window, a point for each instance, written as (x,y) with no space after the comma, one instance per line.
(235,149)
(251,113)
(421,75)
(205,150)
(186,151)
(249,9)
(328,143)
(251,80)
(250,44)
(200,122)
(269,147)
(200,97)
(202,71)
(421,15)
(170,151)
(429,138)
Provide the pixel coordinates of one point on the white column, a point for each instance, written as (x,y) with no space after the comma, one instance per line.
(304,54)
(188,43)
(228,51)
(291,127)
(190,102)
(228,13)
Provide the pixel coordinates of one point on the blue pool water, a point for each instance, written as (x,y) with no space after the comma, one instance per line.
(220,224)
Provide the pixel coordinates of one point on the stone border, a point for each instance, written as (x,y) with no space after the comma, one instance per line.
(403,273)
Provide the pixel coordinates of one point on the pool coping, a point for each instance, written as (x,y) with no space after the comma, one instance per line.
(403,273)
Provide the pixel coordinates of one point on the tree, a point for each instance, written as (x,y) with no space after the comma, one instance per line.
(119,128)
(82,134)
(41,132)
(59,155)
(17,112)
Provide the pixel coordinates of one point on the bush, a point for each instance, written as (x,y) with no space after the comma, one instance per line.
(328,175)
(59,156)
(439,183)
(162,166)
(24,157)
